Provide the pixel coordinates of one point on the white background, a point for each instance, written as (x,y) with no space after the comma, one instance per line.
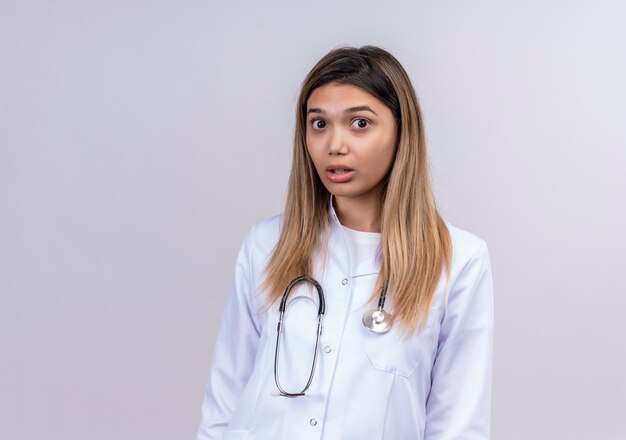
(139,140)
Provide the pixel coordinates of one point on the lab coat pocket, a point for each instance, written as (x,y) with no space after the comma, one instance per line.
(237,434)
(397,353)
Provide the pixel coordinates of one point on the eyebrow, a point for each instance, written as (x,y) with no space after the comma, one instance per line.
(358,108)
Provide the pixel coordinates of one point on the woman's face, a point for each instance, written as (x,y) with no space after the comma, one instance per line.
(351,138)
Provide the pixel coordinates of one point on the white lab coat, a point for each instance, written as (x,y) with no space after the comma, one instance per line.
(434,385)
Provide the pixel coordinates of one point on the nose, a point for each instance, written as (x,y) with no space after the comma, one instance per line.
(338,143)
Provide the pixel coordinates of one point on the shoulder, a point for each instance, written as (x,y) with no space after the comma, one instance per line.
(268,226)
(464,243)
(257,246)
(471,286)
(467,249)
(263,235)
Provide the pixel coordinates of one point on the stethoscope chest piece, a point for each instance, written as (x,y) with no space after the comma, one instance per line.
(377,320)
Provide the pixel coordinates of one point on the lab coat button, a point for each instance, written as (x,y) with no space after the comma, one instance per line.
(344,281)
(327,349)
(313,422)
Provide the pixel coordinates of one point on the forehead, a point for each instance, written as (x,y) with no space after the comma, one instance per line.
(339,96)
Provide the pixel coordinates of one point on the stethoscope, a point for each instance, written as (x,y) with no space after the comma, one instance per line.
(376,320)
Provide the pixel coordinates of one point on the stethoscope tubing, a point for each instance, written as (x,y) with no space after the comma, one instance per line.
(377,321)
(279,330)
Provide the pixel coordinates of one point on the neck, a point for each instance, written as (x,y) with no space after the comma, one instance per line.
(359,213)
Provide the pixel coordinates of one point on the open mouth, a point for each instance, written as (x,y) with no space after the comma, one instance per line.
(339,174)
(340,170)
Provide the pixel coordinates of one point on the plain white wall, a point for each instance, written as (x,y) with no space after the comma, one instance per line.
(139,140)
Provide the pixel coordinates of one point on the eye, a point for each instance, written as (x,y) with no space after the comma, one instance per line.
(360,123)
(318,123)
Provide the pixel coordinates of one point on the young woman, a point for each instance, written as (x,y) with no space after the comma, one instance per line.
(358,313)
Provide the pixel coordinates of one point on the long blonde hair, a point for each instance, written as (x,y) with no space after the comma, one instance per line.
(415,241)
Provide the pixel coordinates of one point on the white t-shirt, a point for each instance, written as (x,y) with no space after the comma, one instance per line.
(363,245)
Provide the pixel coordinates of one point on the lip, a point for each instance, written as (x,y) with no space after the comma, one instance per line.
(334,166)
(339,178)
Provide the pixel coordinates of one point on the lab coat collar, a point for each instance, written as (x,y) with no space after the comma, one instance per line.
(331,211)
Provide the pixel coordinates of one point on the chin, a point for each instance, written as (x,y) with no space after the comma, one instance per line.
(345,192)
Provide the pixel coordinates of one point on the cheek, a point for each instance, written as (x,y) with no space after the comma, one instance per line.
(313,149)
(379,163)
(388,151)
(382,151)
